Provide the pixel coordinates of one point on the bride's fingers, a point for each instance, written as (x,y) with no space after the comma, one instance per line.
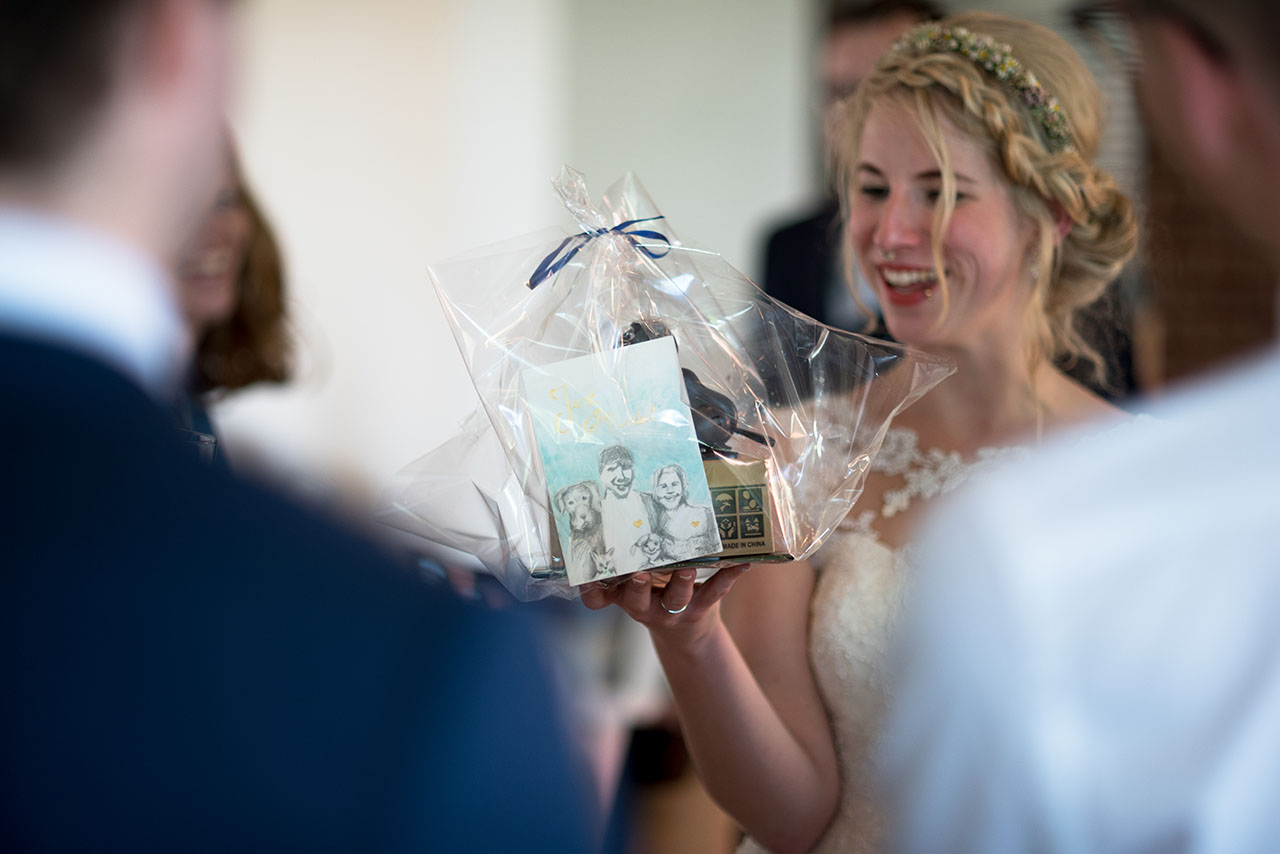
(635,596)
(679,591)
(595,596)
(714,588)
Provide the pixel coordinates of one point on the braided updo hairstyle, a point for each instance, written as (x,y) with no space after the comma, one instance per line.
(1103,235)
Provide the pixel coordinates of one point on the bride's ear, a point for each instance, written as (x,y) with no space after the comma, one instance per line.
(1062,221)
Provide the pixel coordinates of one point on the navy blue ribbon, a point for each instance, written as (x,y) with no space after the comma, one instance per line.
(555,262)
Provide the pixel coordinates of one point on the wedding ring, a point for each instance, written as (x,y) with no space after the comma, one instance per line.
(679,610)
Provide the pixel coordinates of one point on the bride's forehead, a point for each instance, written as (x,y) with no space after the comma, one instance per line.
(893,138)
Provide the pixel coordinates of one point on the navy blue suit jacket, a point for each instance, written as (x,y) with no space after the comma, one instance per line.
(801,261)
(190,663)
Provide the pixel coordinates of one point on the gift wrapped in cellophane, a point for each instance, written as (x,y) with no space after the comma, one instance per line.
(645,407)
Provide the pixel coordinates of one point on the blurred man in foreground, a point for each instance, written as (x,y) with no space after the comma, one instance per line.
(1109,678)
(189,663)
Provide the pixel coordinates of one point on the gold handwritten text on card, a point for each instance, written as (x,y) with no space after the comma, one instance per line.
(581,415)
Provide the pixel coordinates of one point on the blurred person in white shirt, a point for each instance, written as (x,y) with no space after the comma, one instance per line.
(1092,663)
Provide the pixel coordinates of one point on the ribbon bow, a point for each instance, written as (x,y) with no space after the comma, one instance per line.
(554,262)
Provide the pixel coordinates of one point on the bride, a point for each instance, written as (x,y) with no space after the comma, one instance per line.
(973,206)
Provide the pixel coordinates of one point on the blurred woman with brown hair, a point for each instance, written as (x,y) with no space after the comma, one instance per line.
(232,295)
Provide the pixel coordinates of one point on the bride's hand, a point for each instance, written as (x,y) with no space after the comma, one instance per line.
(679,606)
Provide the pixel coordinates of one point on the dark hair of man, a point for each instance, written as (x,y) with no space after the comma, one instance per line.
(1236,31)
(1230,26)
(843,13)
(56,60)
(616,454)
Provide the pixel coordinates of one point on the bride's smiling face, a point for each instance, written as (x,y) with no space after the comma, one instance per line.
(985,251)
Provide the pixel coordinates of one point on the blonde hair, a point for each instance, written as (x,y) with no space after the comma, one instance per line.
(1103,235)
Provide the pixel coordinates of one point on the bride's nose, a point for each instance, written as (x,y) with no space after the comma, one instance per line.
(903,224)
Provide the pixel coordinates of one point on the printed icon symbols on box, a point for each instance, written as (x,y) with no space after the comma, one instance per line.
(740,514)
(740,499)
(726,501)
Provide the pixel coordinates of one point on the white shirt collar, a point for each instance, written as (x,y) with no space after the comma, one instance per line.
(84,290)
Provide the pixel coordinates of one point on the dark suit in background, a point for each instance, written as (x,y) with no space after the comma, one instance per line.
(189,663)
(801,263)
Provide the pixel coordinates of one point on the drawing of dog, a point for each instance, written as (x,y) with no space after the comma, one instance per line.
(580,502)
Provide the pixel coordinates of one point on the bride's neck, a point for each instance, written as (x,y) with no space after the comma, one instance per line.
(991,399)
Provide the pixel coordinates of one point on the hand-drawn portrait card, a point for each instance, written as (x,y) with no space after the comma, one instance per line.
(627,484)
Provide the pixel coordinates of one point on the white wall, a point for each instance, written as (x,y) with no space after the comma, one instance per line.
(707,102)
(381,136)
(384,135)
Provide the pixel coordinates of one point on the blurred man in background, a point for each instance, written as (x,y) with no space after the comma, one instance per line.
(1109,678)
(803,266)
(190,663)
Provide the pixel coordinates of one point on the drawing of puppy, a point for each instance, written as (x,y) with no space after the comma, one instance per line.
(580,502)
(652,545)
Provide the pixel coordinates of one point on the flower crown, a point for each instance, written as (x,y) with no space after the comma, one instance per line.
(996,59)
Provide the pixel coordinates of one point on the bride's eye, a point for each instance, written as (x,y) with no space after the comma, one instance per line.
(873,191)
(934,195)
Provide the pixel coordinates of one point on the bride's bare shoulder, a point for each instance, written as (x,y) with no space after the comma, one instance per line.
(1069,402)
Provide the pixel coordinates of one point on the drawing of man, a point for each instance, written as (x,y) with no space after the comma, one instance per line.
(628,513)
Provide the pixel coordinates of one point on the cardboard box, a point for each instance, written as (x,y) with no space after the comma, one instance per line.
(742,506)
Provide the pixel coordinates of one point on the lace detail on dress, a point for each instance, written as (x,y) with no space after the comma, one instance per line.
(927,474)
(855,612)
(862,586)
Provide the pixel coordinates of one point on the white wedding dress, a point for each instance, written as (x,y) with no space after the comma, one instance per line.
(855,609)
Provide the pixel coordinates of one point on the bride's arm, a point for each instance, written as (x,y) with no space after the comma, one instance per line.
(750,711)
